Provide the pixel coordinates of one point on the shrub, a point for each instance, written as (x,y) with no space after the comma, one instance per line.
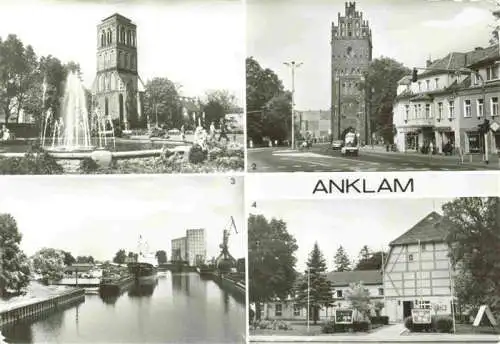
(361,326)
(197,154)
(282,325)
(443,324)
(328,327)
(230,163)
(88,165)
(382,320)
(34,162)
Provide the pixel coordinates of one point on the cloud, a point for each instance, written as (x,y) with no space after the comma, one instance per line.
(468,17)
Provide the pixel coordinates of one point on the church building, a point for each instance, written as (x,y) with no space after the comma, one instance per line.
(118,90)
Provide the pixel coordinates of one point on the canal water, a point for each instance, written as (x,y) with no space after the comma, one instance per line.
(180,308)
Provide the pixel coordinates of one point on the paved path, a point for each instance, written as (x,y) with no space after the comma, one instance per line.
(323,159)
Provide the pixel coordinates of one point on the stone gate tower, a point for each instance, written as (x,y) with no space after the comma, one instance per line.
(351,54)
(117,89)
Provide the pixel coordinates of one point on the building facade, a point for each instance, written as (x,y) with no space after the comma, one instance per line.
(448,102)
(351,54)
(341,282)
(196,251)
(117,90)
(315,122)
(418,272)
(178,250)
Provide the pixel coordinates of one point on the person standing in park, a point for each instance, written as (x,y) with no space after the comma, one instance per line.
(212,131)
(223,133)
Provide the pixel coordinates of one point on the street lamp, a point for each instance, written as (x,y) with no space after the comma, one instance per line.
(293,65)
(308,293)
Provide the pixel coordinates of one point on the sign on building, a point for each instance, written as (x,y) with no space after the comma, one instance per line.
(343,316)
(494,126)
(421,316)
(484,310)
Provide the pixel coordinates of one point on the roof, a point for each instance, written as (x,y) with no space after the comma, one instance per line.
(431,228)
(345,278)
(118,16)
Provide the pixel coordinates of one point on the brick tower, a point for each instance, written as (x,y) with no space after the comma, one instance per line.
(117,89)
(351,54)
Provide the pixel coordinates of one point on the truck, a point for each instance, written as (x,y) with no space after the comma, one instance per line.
(351,144)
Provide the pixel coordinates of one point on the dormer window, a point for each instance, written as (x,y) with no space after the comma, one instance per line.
(492,73)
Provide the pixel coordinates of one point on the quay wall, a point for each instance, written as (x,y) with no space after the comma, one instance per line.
(39,307)
(236,289)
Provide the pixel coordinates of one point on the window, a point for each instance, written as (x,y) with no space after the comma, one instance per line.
(296,310)
(467,108)
(339,293)
(480,107)
(440,110)
(428,84)
(451,109)
(103,39)
(423,304)
(415,111)
(381,291)
(423,247)
(427,110)
(419,110)
(410,257)
(407,112)
(437,82)
(494,106)
(474,142)
(492,73)
(278,310)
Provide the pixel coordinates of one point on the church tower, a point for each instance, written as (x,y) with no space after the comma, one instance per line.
(117,88)
(351,55)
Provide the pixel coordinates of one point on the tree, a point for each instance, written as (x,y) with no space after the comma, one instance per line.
(18,65)
(473,237)
(341,260)
(271,260)
(14,265)
(49,263)
(162,103)
(132,255)
(496,27)
(359,298)
(85,260)
(218,104)
(364,253)
(381,78)
(315,280)
(68,258)
(161,256)
(372,262)
(268,105)
(120,257)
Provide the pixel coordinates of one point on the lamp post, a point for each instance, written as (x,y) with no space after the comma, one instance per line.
(293,65)
(308,293)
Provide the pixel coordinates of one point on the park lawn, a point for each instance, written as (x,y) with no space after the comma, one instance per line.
(469,329)
(300,329)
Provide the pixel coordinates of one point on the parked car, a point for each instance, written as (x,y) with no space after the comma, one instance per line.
(337,145)
(174,132)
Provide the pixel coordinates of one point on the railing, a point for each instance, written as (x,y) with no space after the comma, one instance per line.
(17,313)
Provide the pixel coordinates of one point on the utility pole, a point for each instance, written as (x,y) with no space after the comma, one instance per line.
(293,65)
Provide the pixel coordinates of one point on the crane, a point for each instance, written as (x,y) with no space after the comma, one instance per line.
(224,255)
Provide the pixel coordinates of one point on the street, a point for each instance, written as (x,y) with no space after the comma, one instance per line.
(321,158)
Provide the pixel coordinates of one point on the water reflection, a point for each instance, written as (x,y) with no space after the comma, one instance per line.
(185,309)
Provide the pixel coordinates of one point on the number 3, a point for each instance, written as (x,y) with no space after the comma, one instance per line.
(233,181)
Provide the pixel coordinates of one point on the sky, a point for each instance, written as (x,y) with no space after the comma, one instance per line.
(198,44)
(350,223)
(98,216)
(409,31)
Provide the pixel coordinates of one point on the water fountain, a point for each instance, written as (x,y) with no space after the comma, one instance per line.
(71,133)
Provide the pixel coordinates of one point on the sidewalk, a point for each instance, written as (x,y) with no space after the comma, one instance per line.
(468,159)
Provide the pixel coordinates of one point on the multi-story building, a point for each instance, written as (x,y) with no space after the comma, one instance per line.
(351,43)
(341,281)
(315,122)
(196,252)
(117,89)
(190,248)
(178,250)
(418,271)
(448,102)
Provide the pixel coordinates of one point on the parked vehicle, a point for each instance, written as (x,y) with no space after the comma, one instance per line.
(337,145)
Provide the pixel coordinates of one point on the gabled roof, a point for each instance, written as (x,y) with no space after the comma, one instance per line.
(485,55)
(431,228)
(345,278)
